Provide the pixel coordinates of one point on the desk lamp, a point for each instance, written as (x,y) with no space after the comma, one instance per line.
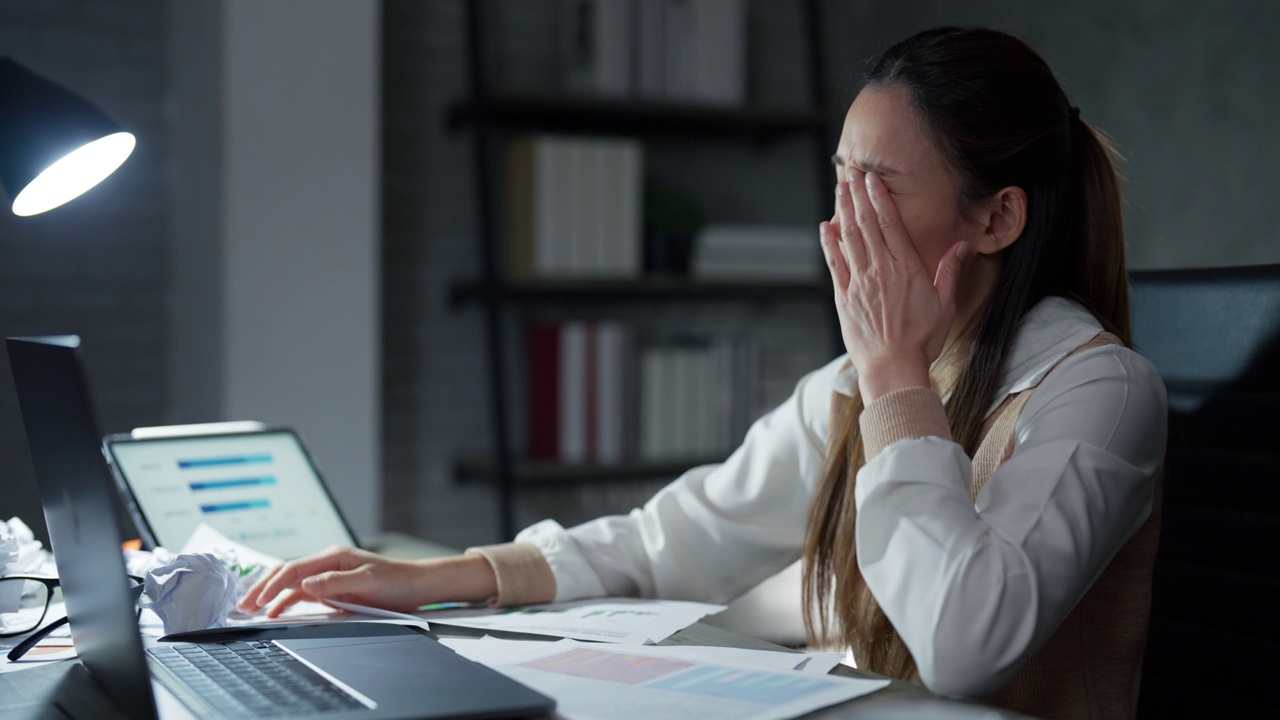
(54,145)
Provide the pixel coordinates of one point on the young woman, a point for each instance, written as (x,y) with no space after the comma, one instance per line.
(973,488)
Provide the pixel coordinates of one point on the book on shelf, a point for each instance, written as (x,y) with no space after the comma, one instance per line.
(542,386)
(596,46)
(595,397)
(762,252)
(614,352)
(697,398)
(573,207)
(575,382)
(682,50)
(579,391)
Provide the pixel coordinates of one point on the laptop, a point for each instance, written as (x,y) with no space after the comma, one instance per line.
(258,487)
(338,670)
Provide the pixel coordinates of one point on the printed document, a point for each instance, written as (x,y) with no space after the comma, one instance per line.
(590,681)
(625,621)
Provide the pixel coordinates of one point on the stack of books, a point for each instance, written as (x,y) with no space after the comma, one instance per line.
(697,399)
(757,253)
(579,387)
(594,397)
(677,50)
(574,207)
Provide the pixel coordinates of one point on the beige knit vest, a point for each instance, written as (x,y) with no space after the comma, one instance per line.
(1091,666)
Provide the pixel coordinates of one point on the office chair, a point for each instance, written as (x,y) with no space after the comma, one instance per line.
(1214,637)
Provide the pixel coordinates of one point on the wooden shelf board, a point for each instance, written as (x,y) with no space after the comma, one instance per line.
(602,116)
(532,473)
(644,290)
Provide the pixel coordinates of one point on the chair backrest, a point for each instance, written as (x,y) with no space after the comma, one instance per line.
(1214,639)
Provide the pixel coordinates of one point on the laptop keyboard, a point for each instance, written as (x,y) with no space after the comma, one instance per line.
(252,679)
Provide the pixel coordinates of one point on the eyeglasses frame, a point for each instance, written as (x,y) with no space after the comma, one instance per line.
(36,636)
(50,583)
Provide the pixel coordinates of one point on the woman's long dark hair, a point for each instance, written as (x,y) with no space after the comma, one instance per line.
(996,112)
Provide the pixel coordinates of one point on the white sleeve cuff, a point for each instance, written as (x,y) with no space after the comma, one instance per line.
(574,577)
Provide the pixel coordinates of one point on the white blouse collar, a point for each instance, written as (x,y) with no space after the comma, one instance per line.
(1046,334)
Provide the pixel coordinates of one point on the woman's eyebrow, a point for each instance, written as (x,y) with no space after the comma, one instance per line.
(865,166)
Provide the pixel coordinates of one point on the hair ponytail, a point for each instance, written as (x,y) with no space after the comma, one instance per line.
(1102,278)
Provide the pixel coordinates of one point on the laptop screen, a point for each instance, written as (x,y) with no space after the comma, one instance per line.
(257,488)
(76,493)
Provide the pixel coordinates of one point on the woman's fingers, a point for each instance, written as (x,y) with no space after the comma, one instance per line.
(867,219)
(249,603)
(286,601)
(829,236)
(336,583)
(855,252)
(889,230)
(291,574)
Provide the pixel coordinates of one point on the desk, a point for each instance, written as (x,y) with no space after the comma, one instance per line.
(31,694)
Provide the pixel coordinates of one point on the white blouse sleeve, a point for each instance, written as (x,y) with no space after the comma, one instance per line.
(717,530)
(975,588)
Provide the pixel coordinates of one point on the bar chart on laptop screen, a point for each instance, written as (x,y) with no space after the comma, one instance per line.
(249,479)
(257,489)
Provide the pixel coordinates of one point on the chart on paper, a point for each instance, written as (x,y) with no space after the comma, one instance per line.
(614,683)
(626,621)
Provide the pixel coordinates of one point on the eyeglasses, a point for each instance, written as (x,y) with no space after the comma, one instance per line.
(25,600)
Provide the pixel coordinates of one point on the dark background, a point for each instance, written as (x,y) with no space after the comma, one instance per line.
(1186,89)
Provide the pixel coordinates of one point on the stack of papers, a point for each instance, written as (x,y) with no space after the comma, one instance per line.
(592,680)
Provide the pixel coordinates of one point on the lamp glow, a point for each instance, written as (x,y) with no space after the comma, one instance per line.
(54,144)
(73,175)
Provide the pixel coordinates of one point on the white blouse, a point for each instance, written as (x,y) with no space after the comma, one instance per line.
(973,588)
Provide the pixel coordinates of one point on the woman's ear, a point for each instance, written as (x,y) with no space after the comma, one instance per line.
(1003,218)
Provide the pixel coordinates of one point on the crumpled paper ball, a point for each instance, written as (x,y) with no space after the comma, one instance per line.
(21,553)
(192,592)
(8,547)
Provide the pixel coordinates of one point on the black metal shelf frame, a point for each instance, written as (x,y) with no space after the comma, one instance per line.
(599,116)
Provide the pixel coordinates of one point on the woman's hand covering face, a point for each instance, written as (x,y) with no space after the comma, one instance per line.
(894,315)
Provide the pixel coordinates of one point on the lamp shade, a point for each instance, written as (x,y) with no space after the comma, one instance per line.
(54,145)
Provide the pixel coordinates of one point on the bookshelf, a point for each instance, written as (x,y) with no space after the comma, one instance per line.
(495,117)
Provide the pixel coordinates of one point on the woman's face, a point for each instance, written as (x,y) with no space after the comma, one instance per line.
(882,135)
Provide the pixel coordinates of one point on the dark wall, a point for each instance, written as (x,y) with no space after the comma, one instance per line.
(97,266)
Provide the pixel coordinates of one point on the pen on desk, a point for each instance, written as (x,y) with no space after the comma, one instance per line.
(448,606)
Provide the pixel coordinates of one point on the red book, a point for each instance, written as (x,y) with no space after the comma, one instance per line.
(542,361)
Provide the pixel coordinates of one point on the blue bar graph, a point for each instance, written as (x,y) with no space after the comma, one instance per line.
(229,460)
(235,506)
(233,483)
